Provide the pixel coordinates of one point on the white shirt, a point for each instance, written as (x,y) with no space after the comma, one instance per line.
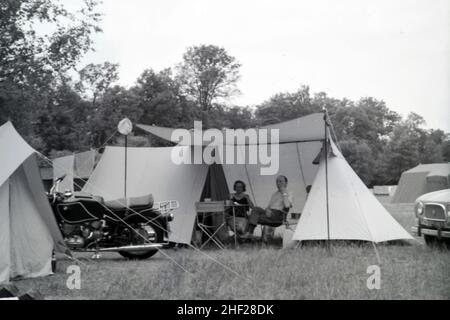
(277,202)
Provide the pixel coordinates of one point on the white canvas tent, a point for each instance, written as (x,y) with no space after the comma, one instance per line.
(28,230)
(150,170)
(422,179)
(351,213)
(300,141)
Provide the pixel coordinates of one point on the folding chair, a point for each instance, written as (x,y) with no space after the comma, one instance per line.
(205,210)
(236,224)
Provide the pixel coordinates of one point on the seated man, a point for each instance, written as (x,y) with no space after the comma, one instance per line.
(276,211)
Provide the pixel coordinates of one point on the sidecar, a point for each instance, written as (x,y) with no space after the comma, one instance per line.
(79,207)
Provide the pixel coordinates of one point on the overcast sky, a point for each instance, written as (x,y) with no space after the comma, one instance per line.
(397,51)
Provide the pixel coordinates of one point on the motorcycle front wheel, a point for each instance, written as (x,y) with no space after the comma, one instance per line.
(147,234)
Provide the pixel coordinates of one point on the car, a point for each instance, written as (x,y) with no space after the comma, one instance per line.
(433,217)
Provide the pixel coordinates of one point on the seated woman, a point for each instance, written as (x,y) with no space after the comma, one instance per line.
(241,204)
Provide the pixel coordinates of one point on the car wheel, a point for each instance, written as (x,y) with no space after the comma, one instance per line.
(430,240)
(435,242)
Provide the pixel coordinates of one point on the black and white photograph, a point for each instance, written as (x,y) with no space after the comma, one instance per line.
(224,155)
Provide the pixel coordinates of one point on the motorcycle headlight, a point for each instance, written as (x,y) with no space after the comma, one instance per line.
(68,194)
(419,208)
(170,217)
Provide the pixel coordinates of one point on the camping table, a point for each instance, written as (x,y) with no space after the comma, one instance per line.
(214,207)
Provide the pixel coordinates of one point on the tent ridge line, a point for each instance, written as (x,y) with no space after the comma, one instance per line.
(142,127)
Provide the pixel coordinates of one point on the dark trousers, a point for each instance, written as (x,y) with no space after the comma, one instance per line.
(258,216)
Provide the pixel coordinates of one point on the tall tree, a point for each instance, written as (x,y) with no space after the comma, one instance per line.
(404,148)
(61,124)
(33,63)
(208,72)
(286,106)
(237,118)
(383,120)
(161,100)
(96,86)
(115,104)
(97,79)
(445,149)
(26,55)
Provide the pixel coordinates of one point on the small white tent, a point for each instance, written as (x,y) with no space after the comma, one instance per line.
(28,230)
(351,213)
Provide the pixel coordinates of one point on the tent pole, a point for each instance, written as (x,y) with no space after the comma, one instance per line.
(326,178)
(248,177)
(126,168)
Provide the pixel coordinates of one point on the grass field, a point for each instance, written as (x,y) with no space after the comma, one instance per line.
(411,271)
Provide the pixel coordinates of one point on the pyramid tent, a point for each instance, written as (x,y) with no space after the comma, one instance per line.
(28,229)
(151,170)
(420,180)
(351,213)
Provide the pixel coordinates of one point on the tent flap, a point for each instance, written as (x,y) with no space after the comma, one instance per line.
(31,244)
(43,207)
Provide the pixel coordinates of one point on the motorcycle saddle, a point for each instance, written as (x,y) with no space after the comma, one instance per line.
(122,203)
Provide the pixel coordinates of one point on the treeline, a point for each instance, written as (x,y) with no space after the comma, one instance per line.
(59,111)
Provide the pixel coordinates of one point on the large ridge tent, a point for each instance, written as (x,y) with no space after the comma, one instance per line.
(151,170)
(420,180)
(300,142)
(28,229)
